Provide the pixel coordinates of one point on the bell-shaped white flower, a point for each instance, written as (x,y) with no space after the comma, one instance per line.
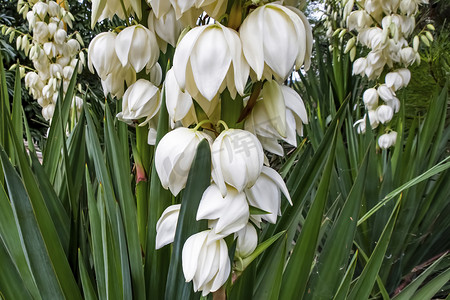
(107,9)
(273,101)
(408,56)
(208,59)
(137,46)
(387,140)
(398,79)
(360,125)
(237,159)
(359,66)
(372,37)
(407,25)
(60,36)
(102,55)
(40,32)
(40,9)
(269,52)
(385,92)
(52,27)
(409,7)
(174,156)
(246,241)
(48,111)
(376,60)
(166,27)
(384,113)
(266,121)
(227,214)
(406,76)
(265,194)
(370,98)
(53,8)
(114,82)
(167,226)
(205,263)
(373,118)
(394,103)
(141,100)
(358,20)
(181,107)
(394,80)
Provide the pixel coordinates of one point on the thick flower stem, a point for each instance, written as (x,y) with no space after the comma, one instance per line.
(143,151)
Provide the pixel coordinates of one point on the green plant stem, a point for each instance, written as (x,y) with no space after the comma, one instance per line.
(144,153)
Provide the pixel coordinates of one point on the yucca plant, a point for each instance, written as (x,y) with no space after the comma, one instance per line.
(70,227)
(106,214)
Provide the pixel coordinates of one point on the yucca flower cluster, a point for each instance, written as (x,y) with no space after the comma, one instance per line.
(247,55)
(385,28)
(55,54)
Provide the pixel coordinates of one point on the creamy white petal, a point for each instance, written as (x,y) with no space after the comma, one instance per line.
(160,7)
(241,68)
(169,150)
(291,136)
(190,254)
(217,175)
(280,48)
(236,214)
(295,103)
(212,205)
(167,225)
(271,145)
(210,60)
(178,103)
(224,267)
(144,49)
(276,178)
(251,33)
(183,53)
(123,44)
(309,40)
(273,102)
(247,240)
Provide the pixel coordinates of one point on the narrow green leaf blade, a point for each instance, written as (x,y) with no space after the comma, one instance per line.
(9,236)
(16,116)
(119,165)
(331,263)
(11,284)
(341,293)
(366,281)
(432,287)
(88,288)
(33,239)
(271,275)
(297,271)
(408,292)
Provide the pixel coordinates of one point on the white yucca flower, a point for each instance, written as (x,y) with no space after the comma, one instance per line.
(275,40)
(208,59)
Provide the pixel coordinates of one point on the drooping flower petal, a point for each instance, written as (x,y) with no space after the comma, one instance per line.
(174,156)
(166,226)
